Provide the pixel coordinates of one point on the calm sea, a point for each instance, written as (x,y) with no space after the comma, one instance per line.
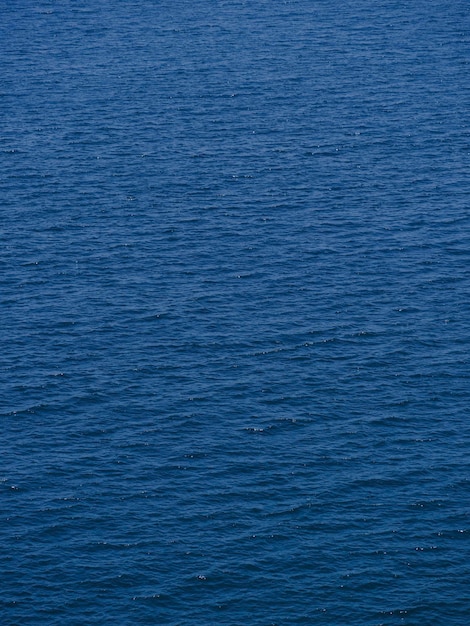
(235,312)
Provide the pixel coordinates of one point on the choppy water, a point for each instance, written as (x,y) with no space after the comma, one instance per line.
(234,283)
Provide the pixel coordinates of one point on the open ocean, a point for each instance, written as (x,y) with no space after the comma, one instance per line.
(235,312)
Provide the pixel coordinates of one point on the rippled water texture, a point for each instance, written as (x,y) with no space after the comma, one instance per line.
(234,285)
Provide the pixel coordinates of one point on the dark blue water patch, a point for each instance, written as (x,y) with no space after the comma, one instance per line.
(234,297)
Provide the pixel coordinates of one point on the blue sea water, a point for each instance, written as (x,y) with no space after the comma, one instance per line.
(235,307)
